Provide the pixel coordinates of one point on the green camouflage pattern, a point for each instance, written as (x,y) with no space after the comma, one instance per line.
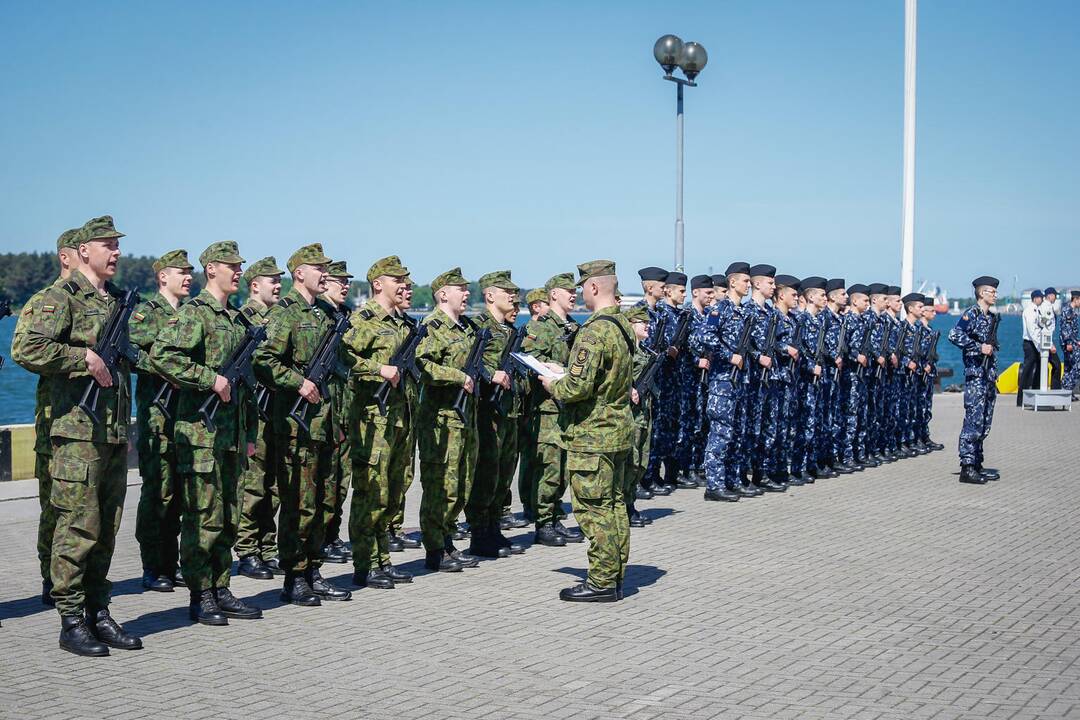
(638,461)
(99,228)
(305,469)
(208,526)
(69,239)
(536,295)
(595,268)
(390,265)
(547,339)
(339,269)
(308,255)
(452,276)
(498,279)
(173,259)
(373,336)
(225,251)
(562,280)
(597,481)
(266,267)
(148,320)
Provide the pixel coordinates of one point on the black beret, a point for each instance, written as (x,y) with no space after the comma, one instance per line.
(787,281)
(1075,294)
(676,278)
(893,290)
(878,289)
(652,273)
(719,281)
(738,267)
(813,282)
(762,270)
(701,281)
(985,280)
(835,284)
(1050,291)
(927,300)
(912,297)
(858,288)
(1035,294)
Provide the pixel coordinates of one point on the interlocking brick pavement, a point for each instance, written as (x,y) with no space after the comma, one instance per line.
(893,593)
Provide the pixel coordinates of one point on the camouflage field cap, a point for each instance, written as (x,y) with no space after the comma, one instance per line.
(562,280)
(390,266)
(499,279)
(267,267)
(100,228)
(224,251)
(452,276)
(595,269)
(537,295)
(637,314)
(68,239)
(174,259)
(339,269)
(308,255)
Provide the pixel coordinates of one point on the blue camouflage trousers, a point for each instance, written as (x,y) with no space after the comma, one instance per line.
(726,428)
(1072,369)
(927,409)
(665,427)
(753,452)
(806,426)
(980,392)
(825,438)
(852,410)
(775,421)
(693,422)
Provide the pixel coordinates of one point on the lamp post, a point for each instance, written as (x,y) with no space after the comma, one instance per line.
(690,57)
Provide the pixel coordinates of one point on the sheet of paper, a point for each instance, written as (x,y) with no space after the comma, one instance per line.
(536,366)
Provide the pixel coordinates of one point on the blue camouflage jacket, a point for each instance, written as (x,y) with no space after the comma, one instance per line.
(969,333)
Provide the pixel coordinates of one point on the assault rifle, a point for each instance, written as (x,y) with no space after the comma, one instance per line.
(646,379)
(743,347)
(769,349)
(112,346)
(474,368)
(916,344)
(796,341)
(992,339)
(819,347)
(508,366)
(322,363)
(842,346)
(404,359)
(900,338)
(682,330)
(884,346)
(5,310)
(163,399)
(864,349)
(236,370)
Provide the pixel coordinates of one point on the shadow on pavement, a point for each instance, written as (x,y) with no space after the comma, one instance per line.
(637,576)
(657,513)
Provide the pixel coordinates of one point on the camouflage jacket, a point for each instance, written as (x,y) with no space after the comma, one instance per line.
(72,314)
(147,322)
(441,357)
(596,388)
(512,402)
(294,329)
(340,390)
(189,353)
(42,408)
(548,338)
(373,337)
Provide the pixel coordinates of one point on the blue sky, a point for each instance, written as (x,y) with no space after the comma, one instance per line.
(538,135)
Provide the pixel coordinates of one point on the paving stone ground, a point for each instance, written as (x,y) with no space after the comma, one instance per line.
(893,593)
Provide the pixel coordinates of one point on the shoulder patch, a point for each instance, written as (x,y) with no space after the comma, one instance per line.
(172,321)
(138,316)
(436,323)
(71,286)
(48,309)
(366,314)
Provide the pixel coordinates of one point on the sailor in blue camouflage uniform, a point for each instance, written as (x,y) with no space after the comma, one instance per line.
(763,286)
(830,454)
(690,447)
(779,391)
(717,339)
(652,291)
(807,421)
(1069,322)
(667,414)
(911,338)
(852,386)
(877,326)
(894,317)
(930,355)
(972,335)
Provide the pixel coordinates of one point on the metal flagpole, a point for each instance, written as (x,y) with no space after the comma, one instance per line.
(907,266)
(679,181)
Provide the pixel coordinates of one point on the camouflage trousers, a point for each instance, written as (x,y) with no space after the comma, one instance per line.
(756,398)
(256,532)
(597,481)
(824,438)
(550,468)
(980,393)
(381,455)
(157,520)
(47,514)
(927,409)
(529,463)
(89,481)
(447,461)
(1071,379)
(338,489)
(722,466)
(776,405)
(396,508)
(305,470)
(805,425)
(665,429)
(495,465)
(208,479)
(638,462)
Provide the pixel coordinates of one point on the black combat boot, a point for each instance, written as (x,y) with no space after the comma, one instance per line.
(275,566)
(324,589)
(587,593)
(204,609)
(934,446)
(502,541)
(157,582)
(574,535)
(76,637)
(252,566)
(46,593)
(968,474)
(546,535)
(482,544)
(721,494)
(683,481)
(440,561)
(394,544)
(408,542)
(374,578)
(109,631)
(333,554)
(634,518)
(398,576)
(178,578)
(642,493)
(988,473)
(297,591)
(234,607)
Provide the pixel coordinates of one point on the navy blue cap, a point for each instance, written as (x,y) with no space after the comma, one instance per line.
(1050,291)
(835,284)
(893,290)
(813,282)
(1075,294)
(878,289)
(719,281)
(985,280)
(653,273)
(912,298)
(762,270)
(676,278)
(738,267)
(787,281)
(858,288)
(1036,294)
(701,281)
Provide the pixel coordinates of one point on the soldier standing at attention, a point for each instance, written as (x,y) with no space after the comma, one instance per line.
(446,442)
(529,423)
(190,353)
(396,511)
(67,254)
(256,531)
(763,284)
(382,449)
(305,468)
(831,453)
(89,460)
(641,410)
(854,386)
(781,386)
(972,335)
(930,373)
(597,432)
(690,446)
(808,373)
(496,426)
(548,340)
(157,521)
(334,550)
(667,419)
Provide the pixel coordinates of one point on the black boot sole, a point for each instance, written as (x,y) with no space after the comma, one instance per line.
(313,602)
(208,621)
(80,653)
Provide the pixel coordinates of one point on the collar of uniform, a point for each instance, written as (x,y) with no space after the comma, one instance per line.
(378,311)
(439,314)
(613,310)
(84,285)
(165,304)
(254,302)
(554,317)
(299,299)
(210,301)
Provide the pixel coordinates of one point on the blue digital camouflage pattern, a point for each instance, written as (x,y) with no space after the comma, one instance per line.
(980,388)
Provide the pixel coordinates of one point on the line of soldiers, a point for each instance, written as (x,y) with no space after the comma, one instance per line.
(254,422)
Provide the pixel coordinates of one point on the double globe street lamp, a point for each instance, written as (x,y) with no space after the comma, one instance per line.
(690,57)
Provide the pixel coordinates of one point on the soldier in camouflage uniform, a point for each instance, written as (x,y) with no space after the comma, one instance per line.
(157,521)
(256,527)
(641,409)
(294,329)
(447,445)
(529,422)
(597,432)
(548,339)
(67,253)
(334,550)
(396,509)
(89,460)
(382,447)
(190,353)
